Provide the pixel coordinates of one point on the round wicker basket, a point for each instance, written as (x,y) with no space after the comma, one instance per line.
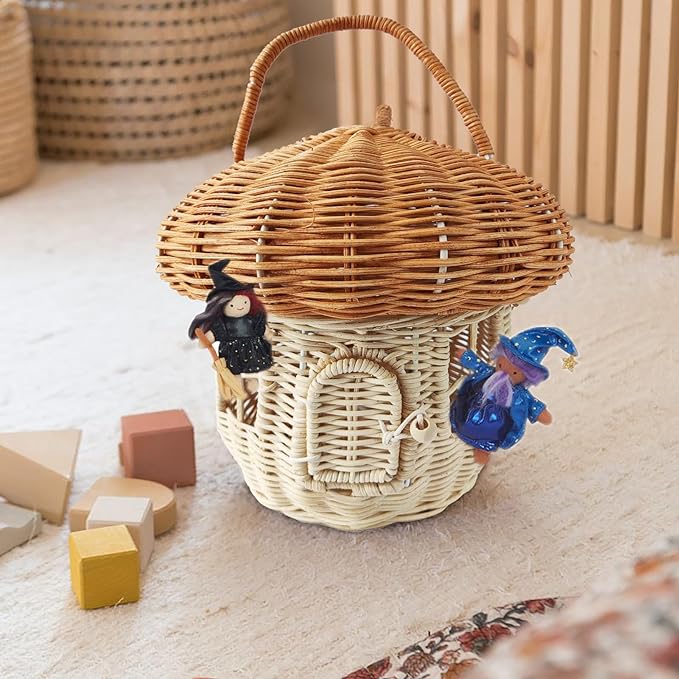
(378,254)
(18,156)
(120,80)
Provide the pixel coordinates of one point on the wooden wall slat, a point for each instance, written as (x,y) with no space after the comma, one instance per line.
(348,90)
(368,52)
(417,78)
(492,76)
(545,143)
(517,119)
(675,208)
(575,29)
(603,105)
(632,94)
(441,108)
(661,119)
(393,64)
(632,112)
(463,70)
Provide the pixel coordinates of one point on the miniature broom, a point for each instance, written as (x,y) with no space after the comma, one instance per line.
(228,384)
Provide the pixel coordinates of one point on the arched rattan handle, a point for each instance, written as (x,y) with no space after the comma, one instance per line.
(271,52)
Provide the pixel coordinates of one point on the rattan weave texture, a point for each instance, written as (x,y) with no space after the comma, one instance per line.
(134,80)
(18,156)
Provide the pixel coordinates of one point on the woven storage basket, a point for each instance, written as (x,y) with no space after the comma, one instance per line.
(119,80)
(18,157)
(377,253)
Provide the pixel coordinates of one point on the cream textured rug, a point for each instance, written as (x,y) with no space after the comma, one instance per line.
(89,333)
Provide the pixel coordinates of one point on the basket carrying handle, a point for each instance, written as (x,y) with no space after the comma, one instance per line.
(271,52)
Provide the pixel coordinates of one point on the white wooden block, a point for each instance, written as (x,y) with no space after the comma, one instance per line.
(134,512)
(17,525)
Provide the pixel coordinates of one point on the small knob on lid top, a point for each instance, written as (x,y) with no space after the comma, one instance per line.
(383,116)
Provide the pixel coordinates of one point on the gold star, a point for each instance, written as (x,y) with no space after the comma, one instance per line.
(569,363)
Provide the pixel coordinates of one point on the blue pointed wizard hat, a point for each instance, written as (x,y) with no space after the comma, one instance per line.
(532,345)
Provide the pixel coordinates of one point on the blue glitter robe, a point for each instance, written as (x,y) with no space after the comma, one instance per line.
(489,426)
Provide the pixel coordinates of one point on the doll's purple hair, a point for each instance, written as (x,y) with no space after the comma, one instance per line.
(533,375)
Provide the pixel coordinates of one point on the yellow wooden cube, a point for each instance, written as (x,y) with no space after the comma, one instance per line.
(104,566)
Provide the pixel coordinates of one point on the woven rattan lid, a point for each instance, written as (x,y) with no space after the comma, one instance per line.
(362,221)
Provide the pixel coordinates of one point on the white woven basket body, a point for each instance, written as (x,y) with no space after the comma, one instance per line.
(18,156)
(322,441)
(122,80)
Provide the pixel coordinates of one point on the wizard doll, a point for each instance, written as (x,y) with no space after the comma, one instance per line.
(235,317)
(493,403)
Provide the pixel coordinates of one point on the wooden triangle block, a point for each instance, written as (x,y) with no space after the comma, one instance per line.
(37,469)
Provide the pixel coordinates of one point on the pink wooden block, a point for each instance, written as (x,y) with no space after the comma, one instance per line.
(159,447)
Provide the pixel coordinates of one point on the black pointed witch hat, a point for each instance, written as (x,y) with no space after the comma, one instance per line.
(223,282)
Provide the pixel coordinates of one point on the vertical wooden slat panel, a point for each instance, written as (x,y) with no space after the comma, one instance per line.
(369,58)
(675,204)
(440,105)
(516,122)
(529,83)
(492,76)
(545,146)
(633,90)
(661,119)
(417,78)
(348,92)
(462,18)
(603,106)
(475,47)
(393,64)
(675,209)
(580,93)
(575,25)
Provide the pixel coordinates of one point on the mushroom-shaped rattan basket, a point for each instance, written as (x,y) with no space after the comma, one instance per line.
(377,253)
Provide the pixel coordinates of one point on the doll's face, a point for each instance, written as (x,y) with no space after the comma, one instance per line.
(515,375)
(237,306)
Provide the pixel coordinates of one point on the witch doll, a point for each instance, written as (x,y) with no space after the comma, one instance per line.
(234,317)
(493,403)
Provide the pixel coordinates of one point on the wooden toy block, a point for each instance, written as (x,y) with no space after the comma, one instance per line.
(162,498)
(37,469)
(134,512)
(159,447)
(17,525)
(104,567)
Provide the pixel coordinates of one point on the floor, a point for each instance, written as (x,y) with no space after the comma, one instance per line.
(90,333)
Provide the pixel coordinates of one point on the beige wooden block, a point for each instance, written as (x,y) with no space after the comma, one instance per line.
(37,469)
(134,512)
(104,567)
(17,525)
(162,498)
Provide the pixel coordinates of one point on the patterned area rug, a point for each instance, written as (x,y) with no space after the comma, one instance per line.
(448,653)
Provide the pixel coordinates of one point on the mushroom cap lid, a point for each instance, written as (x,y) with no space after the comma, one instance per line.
(359,222)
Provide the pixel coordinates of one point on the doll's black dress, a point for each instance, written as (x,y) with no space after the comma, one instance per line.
(242,344)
